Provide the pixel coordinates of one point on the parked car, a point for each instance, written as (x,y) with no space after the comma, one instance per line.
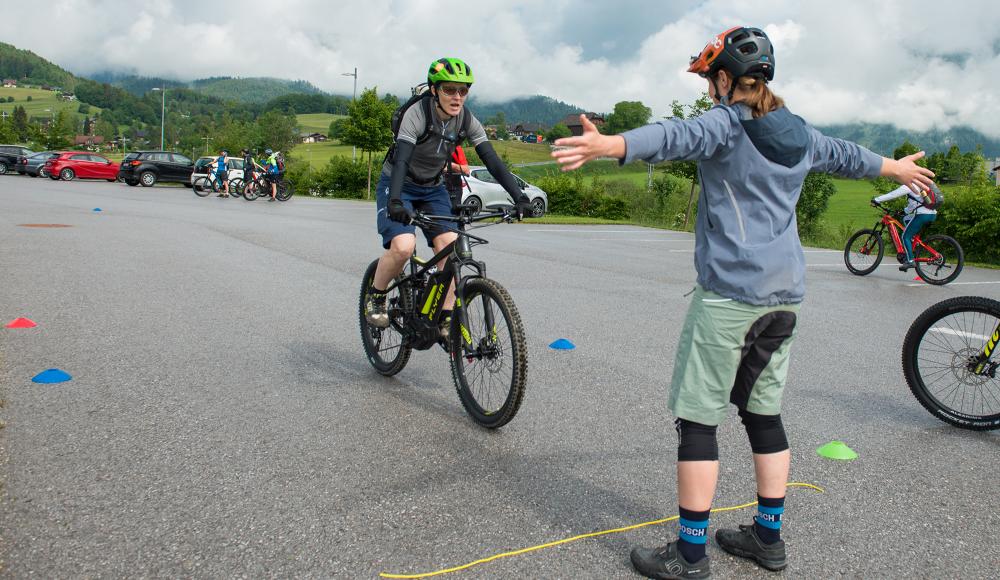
(34,164)
(201,169)
(69,165)
(482,191)
(151,167)
(9,154)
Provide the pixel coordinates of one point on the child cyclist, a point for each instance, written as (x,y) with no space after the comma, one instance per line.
(916,216)
(754,156)
(412,178)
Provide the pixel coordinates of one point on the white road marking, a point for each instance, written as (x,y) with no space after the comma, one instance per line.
(960,333)
(960,283)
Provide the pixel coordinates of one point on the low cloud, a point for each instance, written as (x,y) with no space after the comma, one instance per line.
(917,65)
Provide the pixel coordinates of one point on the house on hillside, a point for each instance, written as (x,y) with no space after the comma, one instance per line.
(9,84)
(67,96)
(521,129)
(88,141)
(574,125)
(314,138)
(996,170)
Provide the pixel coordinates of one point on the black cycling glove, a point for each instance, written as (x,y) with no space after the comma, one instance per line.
(398,212)
(523,207)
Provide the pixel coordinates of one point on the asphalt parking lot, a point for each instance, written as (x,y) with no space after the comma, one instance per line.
(222,420)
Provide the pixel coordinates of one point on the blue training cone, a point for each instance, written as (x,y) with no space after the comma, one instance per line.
(562,344)
(52,376)
(98,209)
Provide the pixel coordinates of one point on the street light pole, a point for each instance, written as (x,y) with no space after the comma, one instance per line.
(354,149)
(163,108)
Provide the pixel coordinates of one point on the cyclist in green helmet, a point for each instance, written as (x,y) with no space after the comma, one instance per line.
(413,176)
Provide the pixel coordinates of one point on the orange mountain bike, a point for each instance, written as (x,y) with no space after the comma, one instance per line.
(938,259)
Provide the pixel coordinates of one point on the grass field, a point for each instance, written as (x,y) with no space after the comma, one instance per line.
(40,101)
(316,122)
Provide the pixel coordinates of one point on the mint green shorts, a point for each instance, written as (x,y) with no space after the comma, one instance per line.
(731,353)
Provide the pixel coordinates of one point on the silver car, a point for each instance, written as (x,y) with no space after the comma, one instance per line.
(201,168)
(483,190)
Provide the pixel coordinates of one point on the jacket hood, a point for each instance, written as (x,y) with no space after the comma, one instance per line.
(779,136)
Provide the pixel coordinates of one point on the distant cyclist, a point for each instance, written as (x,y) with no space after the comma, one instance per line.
(249,169)
(221,169)
(412,178)
(916,216)
(271,172)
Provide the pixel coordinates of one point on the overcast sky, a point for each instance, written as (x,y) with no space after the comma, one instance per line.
(917,64)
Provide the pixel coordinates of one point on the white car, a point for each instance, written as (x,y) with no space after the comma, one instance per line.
(201,168)
(482,190)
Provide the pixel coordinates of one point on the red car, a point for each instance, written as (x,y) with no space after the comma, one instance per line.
(68,165)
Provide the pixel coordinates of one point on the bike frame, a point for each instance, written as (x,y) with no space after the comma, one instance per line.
(457,255)
(983,366)
(889,222)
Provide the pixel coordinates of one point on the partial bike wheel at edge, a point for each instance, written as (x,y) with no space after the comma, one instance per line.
(863,252)
(489,358)
(943,365)
(384,347)
(943,268)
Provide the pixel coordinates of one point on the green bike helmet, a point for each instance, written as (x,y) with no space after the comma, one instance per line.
(449,70)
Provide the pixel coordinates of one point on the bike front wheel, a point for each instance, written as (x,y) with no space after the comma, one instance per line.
(488,357)
(385,348)
(236,187)
(284,192)
(941,362)
(203,186)
(863,252)
(944,267)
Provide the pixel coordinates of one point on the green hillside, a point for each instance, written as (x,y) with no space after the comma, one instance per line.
(27,67)
(42,104)
(252,90)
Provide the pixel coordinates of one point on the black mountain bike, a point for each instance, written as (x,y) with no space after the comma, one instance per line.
(260,186)
(951,362)
(486,338)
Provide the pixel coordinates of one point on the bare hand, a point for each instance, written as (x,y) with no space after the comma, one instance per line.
(907,172)
(575,151)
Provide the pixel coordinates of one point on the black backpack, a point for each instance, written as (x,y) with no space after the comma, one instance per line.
(422,97)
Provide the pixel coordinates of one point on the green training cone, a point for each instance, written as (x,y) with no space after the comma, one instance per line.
(837,450)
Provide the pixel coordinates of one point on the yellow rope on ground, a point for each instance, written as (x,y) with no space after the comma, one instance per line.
(575,538)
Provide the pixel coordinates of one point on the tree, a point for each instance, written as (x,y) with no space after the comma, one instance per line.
(276,131)
(905,149)
(19,122)
(88,126)
(627,115)
(336,130)
(29,98)
(559,131)
(688,169)
(7,133)
(816,192)
(61,131)
(83,108)
(369,127)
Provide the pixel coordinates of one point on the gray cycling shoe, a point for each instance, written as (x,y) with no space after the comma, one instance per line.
(376,312)
(667,563)
(746,544)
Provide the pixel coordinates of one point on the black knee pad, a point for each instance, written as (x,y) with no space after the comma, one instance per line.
(697,441)
(766,433)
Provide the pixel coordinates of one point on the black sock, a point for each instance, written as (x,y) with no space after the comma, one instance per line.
(692,534)
(767,523)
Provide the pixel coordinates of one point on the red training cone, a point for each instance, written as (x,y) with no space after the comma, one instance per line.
(918,279)
(21,323)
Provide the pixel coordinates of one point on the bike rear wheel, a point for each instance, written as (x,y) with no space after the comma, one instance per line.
(236,187)
(943,268)
(251,189)
(490,376)
(863,252)
(385,348)
(939,361)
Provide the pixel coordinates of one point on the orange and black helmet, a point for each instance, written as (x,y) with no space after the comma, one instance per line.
(740,50)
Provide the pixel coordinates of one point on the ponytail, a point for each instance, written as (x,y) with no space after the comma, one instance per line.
(754,93)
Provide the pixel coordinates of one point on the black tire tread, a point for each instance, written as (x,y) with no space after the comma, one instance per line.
(911,345)
(498,294)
